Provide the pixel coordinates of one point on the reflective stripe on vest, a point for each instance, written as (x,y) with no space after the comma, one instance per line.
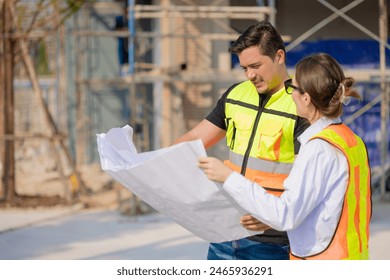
(261,140)
(260,164)
(351,237)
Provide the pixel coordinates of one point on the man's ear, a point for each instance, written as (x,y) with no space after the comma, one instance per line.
(280,56)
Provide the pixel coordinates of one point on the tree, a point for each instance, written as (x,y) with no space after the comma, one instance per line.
(20,22)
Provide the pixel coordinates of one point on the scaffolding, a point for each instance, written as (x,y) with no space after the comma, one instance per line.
(189,54)
(366,74)
(177,66)
(189,43)
(174,65)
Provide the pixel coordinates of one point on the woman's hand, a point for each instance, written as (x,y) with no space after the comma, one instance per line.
(251,223)
(214,169)
(217,171)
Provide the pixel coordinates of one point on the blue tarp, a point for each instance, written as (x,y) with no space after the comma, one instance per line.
(349,53)
(368,125)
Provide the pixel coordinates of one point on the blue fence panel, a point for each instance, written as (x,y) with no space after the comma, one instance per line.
(368,125)
(350,53)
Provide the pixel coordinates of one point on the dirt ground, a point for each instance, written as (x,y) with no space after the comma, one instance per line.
(44,188)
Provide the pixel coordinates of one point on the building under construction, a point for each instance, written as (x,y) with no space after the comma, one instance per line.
(160,66)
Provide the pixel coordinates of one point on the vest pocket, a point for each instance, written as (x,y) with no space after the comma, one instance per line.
(230,133)
(270,137)
(238,132)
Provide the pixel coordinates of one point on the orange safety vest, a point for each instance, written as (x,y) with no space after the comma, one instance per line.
(261,140)
(350,239)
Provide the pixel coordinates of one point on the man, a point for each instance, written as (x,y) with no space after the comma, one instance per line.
(261,126)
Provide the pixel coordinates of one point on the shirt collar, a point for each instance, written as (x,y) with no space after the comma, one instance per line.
(315,128)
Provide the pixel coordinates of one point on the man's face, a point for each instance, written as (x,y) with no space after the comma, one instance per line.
(265,73)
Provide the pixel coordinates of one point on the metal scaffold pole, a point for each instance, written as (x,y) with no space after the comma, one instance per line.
(131,25)
(383,21)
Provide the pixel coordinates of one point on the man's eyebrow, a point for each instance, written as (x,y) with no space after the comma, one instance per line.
(254,64)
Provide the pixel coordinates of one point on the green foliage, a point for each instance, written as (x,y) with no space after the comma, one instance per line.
(75,5)
(41,60)
(72,7)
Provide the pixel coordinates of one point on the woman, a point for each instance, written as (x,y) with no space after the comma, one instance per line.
(326,205)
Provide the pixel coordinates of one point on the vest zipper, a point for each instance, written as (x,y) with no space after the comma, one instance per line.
(251,139)
(233,136)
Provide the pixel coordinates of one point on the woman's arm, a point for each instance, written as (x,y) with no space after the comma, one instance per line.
(319,170)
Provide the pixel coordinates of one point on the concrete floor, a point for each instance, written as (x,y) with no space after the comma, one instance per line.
(104,234)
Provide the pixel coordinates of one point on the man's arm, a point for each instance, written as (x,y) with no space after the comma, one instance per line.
(209,133)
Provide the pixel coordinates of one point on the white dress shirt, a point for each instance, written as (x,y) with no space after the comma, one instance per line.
(310,207)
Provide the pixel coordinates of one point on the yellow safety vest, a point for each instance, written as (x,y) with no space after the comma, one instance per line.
(350,240)
(261,140)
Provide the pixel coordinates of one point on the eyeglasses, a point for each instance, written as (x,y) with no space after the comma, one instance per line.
(290,87)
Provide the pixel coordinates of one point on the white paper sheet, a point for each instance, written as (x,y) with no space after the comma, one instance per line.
(169,180)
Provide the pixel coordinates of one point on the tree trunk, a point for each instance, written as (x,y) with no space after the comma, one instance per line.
(2,101)
(7,77)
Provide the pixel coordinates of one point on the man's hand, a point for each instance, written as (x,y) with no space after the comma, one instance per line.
(251,223)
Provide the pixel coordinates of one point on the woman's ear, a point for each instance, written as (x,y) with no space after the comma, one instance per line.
(306,98)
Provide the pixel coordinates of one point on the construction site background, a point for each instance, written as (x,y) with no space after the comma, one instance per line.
(159,66)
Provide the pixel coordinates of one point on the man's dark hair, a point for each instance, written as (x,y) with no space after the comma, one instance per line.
(261,34)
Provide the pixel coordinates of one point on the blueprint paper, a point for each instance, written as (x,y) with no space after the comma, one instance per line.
(170,181)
